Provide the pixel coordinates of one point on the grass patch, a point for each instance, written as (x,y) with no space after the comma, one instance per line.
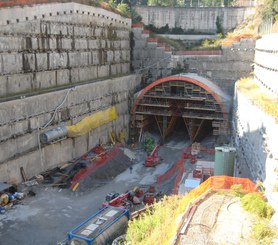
(263,233)
(256,205)
(158,225)
(175,44)
(214,44)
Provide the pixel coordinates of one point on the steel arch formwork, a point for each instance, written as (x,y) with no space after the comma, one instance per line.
(194,99)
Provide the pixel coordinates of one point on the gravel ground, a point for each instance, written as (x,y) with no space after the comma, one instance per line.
(46,218)
(219,220)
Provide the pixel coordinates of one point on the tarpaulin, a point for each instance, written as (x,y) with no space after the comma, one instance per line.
(92,122)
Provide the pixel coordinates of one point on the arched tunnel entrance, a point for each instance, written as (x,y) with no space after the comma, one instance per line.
(185,101)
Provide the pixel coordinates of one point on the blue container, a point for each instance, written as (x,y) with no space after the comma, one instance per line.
(101,228)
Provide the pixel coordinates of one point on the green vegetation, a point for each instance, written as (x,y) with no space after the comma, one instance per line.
(256,205)
(149,145)
(157,224)
(263,233)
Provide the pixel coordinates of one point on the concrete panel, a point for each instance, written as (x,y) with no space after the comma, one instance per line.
(45,79)
(79,59)
(4,177)
(34,43)
(117,56)
(53,45)
(58,60)
(26,142)
(19,83)
(30,163)
(8,149)
(5,132)
(103,71)
(80,43)
(125,44)
(10,44)
(80,145)
(42,61)
(56,29)
(66,43)
(96,58)
(94,44)
(88,73)
(29,62)
(19,128)
(78,109)
(66,151)
(63,77)
(12,63)
(116,44)
(125,68)
(3,85)
(110,56)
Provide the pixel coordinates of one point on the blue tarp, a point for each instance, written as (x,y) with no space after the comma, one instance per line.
(192,183)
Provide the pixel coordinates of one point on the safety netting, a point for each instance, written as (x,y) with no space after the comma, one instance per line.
(223,182)
(92,122)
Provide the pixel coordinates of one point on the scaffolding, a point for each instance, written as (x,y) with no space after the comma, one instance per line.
(164,103)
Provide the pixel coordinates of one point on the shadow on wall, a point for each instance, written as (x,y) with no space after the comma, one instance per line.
(252,153)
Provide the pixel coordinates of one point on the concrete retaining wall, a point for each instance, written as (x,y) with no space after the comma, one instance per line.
(255,132)
(55,50)
(150,58)
(266,60)
(194,19)
(44,11)
(21,121)
(235,62)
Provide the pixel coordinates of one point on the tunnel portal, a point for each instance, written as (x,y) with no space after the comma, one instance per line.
(197,102)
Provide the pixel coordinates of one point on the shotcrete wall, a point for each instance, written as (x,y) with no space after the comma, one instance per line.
(22,120)
(194,19)
(57,45)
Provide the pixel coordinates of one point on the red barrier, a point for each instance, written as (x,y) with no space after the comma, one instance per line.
(170,172)
(85,172)
(178,179)
(199,52)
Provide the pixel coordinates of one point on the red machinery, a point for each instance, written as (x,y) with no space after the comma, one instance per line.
(153,159)
(116,200)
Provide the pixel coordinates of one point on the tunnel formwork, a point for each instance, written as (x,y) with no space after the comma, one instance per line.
(198,102)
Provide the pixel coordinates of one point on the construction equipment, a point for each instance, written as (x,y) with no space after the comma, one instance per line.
(101,228)
(118,200)
(153,159)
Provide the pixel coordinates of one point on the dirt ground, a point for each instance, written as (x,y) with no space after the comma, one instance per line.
(219,220)
(45,218)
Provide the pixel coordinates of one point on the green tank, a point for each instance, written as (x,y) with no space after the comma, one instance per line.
(224,161)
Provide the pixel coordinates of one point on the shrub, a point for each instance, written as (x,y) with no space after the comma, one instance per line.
(255,204)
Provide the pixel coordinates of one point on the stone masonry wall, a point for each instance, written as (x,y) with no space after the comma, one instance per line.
(57,45)
(194,19)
